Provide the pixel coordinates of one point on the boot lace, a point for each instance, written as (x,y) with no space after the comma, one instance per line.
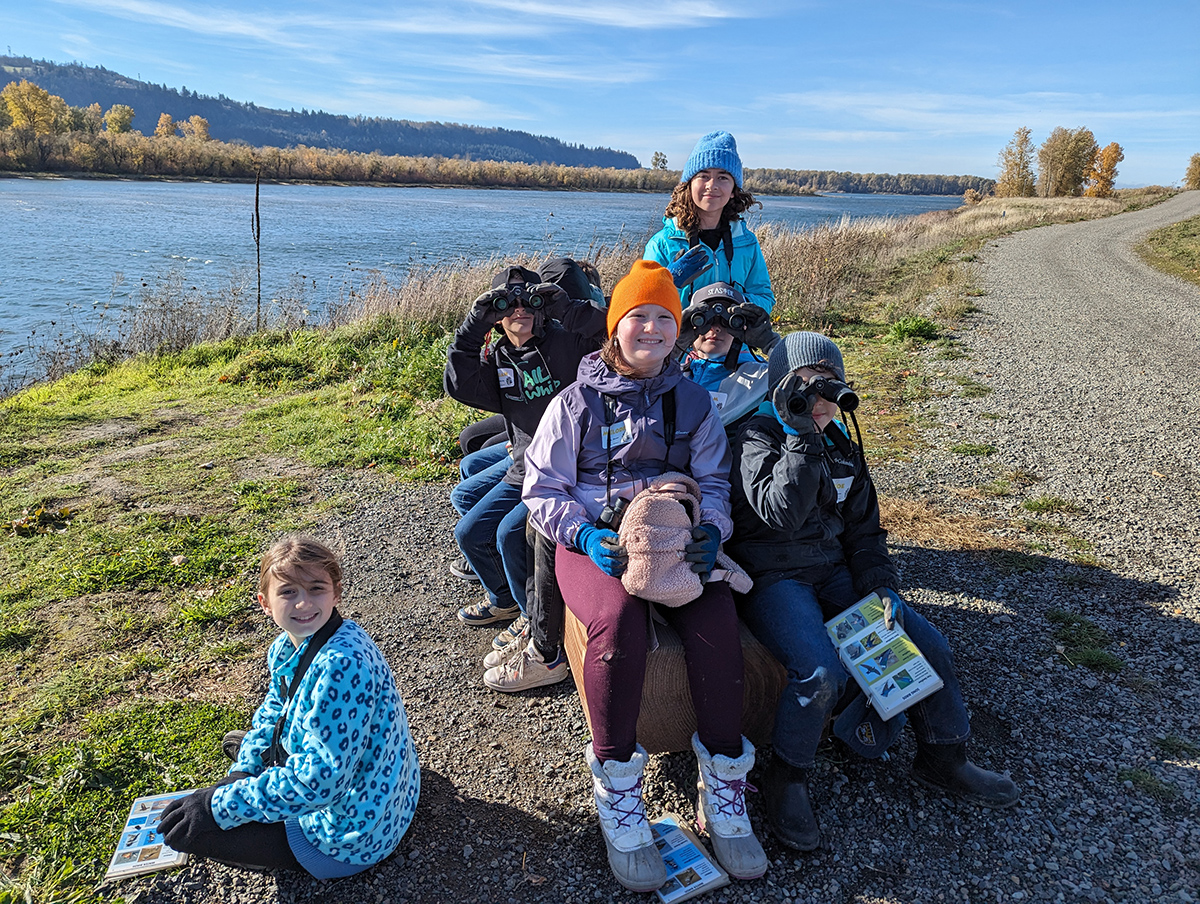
(626,808)
(729,795)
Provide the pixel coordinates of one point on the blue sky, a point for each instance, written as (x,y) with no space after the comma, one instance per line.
(919,87)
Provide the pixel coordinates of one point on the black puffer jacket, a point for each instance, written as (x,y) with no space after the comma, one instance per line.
(788,520)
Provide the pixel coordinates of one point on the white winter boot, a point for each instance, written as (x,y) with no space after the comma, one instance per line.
(721,810)
(634,859)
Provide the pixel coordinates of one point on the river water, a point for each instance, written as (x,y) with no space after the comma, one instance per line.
(70,246)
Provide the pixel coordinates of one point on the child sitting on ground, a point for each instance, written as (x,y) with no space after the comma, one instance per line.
(807,531)
(326,780)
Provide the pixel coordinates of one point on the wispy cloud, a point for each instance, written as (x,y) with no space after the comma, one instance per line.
(677,13)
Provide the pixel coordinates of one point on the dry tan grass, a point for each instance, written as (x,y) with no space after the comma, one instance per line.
(925,525)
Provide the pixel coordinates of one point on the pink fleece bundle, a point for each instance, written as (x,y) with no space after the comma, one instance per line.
(655,530)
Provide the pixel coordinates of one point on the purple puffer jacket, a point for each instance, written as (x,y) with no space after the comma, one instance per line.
(565,463)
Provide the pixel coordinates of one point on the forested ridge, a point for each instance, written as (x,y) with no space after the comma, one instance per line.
(231,120)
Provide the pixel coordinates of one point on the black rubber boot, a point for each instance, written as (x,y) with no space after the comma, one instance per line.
(945,767)
(232,743)
(789,809)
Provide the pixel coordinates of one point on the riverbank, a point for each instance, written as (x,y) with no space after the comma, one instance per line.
(140,492)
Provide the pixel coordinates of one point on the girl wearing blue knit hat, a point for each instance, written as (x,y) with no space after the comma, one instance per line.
(703,239)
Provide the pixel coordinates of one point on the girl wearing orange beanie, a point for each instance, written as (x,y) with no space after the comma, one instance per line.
(630,417)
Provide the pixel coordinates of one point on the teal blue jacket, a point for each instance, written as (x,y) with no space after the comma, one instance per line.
(352,777)
(748,272)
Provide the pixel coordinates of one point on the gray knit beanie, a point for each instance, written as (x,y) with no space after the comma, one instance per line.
(715,150)
(804,350)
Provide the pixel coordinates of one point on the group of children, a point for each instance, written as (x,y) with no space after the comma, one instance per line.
(596,400)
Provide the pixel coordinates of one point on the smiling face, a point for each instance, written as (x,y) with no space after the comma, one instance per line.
(711,191)
(823,410)
(300,600)
(646,337)
(518,325)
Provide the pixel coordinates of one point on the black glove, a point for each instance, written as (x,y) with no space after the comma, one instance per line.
(554,300)
(688,333)
(185,819)
(702,551)
(690,265)
(482,309)
(756,329)
(794,405)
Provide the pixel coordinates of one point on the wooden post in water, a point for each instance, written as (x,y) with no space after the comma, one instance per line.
(256,230)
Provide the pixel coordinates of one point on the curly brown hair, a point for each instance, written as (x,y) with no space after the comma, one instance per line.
(687,214)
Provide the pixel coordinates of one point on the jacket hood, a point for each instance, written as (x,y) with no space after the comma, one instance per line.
(594,373)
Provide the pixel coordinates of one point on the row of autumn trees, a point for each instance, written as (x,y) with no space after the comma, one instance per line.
(26,107)
(1069,162)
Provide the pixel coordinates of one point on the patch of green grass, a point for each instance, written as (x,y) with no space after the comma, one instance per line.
(913,328)
(1177,747)
(1009,561)
(74,799)
(1048,505)
(230,602)
(974,449)
(993,416)
(971,389)
(16,636)
(71,690)
(266,497)
(1148,783)
(1083,641)
(161,552)
(1175,249)
(998,488)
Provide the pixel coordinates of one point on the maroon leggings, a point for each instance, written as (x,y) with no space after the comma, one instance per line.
(614,667)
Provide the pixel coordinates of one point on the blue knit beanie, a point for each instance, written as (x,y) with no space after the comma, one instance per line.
(716,149)
(804,350)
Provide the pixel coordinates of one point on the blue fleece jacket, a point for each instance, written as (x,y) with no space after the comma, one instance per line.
(352,777)
(748,272)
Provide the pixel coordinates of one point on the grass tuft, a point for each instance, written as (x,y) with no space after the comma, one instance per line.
(1049,505)
(1148,783)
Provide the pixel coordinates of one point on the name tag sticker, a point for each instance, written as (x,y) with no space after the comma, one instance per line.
(618,434)
(508,377)
(843,487)
(719,399)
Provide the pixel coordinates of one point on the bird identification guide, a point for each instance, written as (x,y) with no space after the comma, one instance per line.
(141,848)
(886,664)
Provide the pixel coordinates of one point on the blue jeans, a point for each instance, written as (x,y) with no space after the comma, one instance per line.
(480,472)
(491,535)
(789,617)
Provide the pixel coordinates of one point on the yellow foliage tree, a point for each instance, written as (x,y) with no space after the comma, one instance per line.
(1191,179)
(34,108)
(195,127)
(165,127)
(1063,161)
(119,119)
(1103,171)
(1016,179)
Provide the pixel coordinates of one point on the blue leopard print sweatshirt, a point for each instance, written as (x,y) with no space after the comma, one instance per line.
(352,778)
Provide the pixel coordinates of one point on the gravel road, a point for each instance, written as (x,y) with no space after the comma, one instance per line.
(1091,368)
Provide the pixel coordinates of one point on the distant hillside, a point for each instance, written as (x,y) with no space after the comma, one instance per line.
(231,120)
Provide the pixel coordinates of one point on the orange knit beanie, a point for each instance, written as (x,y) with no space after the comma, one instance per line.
(648,282)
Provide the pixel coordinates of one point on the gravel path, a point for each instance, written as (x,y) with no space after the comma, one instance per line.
(1092,364)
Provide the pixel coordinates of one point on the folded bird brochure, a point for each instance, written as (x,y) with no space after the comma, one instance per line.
(141,848)
(886,663)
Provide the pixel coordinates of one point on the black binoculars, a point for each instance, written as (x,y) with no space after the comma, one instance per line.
(711,315)
(611,515)
(518,295)
(801,401)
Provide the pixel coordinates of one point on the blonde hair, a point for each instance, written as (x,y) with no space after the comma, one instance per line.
(292,552)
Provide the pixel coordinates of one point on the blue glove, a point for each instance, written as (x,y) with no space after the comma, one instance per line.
(604,548)
(702,551)
(689,265)
(893,608)
(185,819)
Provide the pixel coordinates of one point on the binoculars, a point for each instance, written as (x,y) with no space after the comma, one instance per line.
(801,401)
(611,515)
(711,315)
(518,295)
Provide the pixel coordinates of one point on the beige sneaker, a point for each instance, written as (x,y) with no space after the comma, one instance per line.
(525,670)
(511,649)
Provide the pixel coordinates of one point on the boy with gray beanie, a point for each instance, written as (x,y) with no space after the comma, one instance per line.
(807,530)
